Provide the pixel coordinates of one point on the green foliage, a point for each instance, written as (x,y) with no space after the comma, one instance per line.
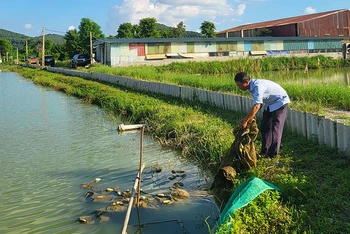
(208,29)
(5,47)
(73,45)
(86,27)
(148,28)
(125,30)
(161,30)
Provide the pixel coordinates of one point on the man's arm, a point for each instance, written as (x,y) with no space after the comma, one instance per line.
(253,111)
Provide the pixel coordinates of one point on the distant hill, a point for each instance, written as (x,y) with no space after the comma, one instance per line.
(58,39)
(19,40)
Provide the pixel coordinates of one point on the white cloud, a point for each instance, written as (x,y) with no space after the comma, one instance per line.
(71,28)
(309,10)
(28,26)
(172,12)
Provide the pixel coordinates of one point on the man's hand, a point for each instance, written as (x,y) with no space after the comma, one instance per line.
(243,123)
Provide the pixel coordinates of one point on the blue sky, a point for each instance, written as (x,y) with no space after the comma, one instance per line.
(29,17)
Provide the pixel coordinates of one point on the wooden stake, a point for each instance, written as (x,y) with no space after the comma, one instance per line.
(137,180)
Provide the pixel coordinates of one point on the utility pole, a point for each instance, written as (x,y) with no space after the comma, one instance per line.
(26,51)
(91,57)
(43,50)
(17,57)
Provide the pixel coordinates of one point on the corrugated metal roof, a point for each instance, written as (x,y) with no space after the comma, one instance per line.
(284,21)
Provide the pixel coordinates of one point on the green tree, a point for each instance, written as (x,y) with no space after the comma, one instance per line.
(49,44)
(208,29)
(180,30)
(5,47)
(34,46)
(86,26)
(72,45)
(136,31)
(148,28)
(173,32)
(125,30)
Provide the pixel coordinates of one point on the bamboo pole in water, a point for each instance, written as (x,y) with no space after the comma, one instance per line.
(139,184)
(137,180)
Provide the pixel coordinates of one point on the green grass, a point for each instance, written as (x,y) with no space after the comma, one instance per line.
(311,93)
(314,179)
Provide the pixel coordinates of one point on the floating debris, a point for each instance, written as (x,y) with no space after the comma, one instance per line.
(93,188)
(180,193)
(100,198)
(167,202)
(109,190)
(118,203)
(96,180)
(89,194)
(157,169)
(126,193)
(178,184)
(90,219)
(177,171)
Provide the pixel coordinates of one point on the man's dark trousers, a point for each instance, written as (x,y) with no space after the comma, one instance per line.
(271,131)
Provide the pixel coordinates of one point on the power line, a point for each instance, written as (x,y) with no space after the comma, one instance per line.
(55,31)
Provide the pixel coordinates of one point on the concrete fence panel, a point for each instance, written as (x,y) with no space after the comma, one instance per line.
(321,131)
(153,87)
(112,79)
(144,85)
(300,119)
(104,77)
(292,120)
(130,83)
(232,102)
(201,95)
(96,76)
(330,133)
(343,138)
(215,99)
(247,104)
(175,90)
(312,126)
(170,90)
(121,80)
(187,93)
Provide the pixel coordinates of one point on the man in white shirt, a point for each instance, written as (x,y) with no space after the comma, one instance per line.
(275,100)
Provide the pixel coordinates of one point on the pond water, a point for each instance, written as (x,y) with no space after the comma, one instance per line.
(50,144)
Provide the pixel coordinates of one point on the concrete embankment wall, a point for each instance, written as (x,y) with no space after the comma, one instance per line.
(334,134)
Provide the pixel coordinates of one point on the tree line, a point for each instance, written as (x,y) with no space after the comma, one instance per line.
(78,40)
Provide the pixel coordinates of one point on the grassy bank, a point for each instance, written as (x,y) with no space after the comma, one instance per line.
(218,76)
(313,178)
